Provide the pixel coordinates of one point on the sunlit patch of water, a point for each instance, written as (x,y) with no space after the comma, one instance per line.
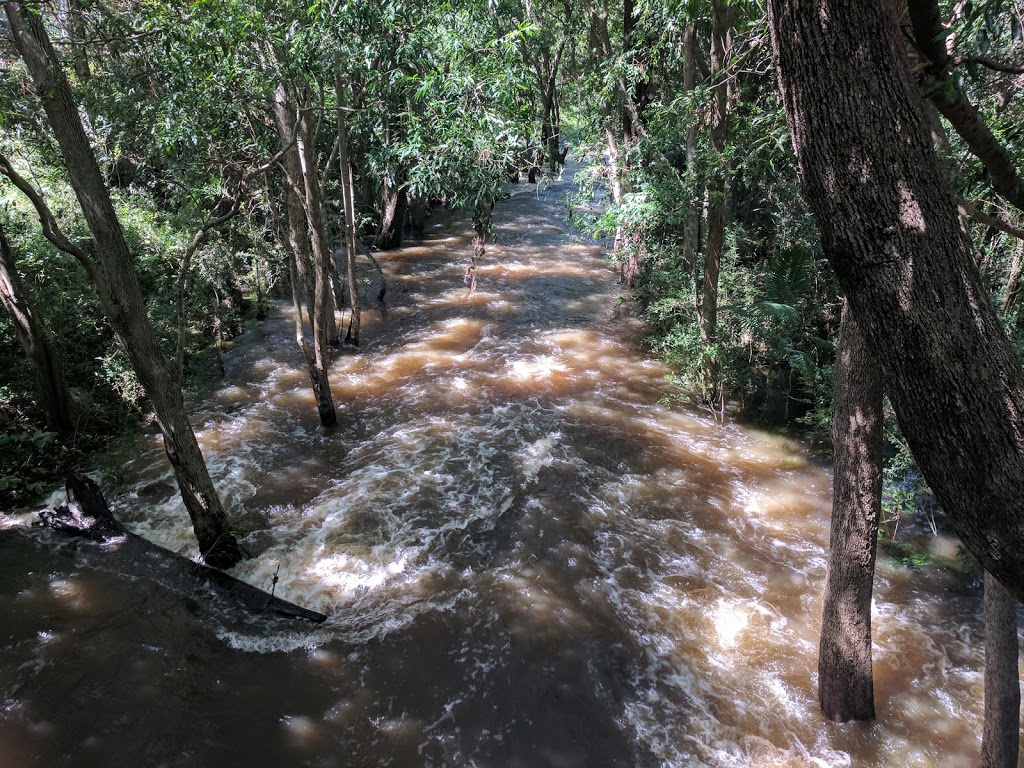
(508,528)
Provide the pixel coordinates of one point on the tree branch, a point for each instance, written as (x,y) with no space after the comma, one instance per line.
(998,66)
(972,211)
(51,230)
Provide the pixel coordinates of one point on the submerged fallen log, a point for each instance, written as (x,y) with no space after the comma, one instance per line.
(86,514)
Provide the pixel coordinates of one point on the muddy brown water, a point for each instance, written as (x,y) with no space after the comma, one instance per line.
(526,559)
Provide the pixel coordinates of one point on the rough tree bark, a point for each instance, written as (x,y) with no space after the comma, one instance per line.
(845,683)
(1000,740)
(889,225)
(113,273)
(54,398)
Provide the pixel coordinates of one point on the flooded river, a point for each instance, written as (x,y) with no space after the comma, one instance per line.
(526,559)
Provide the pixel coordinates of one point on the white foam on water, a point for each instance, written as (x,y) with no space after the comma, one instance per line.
(539,367)
(538,455)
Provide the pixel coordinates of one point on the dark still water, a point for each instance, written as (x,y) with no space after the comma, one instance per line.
(526,559)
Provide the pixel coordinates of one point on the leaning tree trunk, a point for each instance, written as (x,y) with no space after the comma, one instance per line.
(1000,741)
(54,398)
(112,270)
(845,683)
(889,225)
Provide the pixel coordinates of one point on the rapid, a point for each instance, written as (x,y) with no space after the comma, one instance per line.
(527,559)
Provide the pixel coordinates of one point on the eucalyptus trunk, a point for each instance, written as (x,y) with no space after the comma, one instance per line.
(889,226)
(323,299)
(112,271)
(310,282)
(349,204)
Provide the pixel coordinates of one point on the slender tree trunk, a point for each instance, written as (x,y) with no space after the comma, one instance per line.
(309,284)
(1000,741)
(54,398)
(1013,280)
(80,56)
(349,204)
(845,683)
(394,200)
(323,300)
(113,273)
(718,135)
(637,96)
(691,233)
(889,226)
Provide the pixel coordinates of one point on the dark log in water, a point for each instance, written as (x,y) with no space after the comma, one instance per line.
(86,514)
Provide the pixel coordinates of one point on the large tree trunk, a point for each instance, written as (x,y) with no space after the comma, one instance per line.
(1000,741)
(845,683)
(54,398)
(113,273)
(313,288)
(889,225)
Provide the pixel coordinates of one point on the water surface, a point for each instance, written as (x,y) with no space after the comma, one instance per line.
(526,559)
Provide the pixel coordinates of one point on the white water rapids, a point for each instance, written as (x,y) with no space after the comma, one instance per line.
(526,559)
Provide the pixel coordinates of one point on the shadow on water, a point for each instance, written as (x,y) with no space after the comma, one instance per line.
(453,688)
(527,561)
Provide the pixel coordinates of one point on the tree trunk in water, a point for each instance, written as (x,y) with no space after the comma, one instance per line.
(54,398)
(323,298)
(86,514)
(113,273)
(845,684)
(418,212)
(393,218)
(889,226)
(719,133)
(349,203)
(1000,741)
(314,288)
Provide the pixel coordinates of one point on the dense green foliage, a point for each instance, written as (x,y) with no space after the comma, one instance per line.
(444,101)
(778,304)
